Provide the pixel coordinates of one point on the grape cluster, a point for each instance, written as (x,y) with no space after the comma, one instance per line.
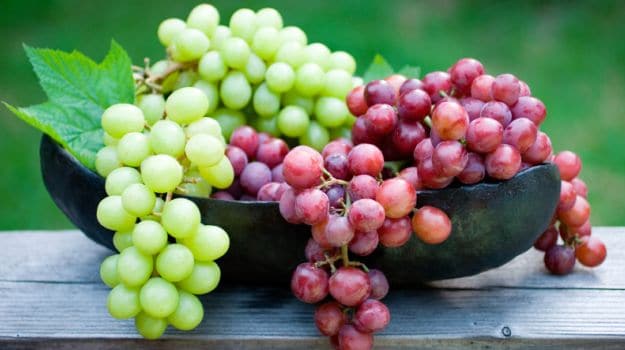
(257,72)
(145,161)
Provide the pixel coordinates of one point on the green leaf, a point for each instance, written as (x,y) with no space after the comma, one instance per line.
(78,91)
(378,69)
(410,72)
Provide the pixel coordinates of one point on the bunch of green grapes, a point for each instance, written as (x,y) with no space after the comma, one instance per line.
(257,72)
(146,159)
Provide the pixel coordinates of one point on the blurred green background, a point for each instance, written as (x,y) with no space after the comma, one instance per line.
(572,53)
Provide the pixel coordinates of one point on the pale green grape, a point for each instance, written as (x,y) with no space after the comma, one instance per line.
(235,90)
(122,118)
(292,97)
(268,17)
(357,81)
(235,52)
(133,148)
(330,111)
(292,33)
(158,297)
(319,54)
(119,179)
(210,90)
(198,187)
(291,52)
(206,125)
(138,200)
(243,24)
(340,132)
(343,60)
(266,102)
(208,243)
(153,107)
(338,83)
(229,120)
(266,42)
(122,240)
(167,137)
(150,327)
(111,214)
(189,45)
(204,17)
(293,121)
(108,271)
(316,136)
(133,267)
(220,175)
(186,105)
(212,66)
(350,120)
(310,79)
(186,78)
(161,173)
(181,217)
(280,77)
(106,160)
(158,208)
(219,37)
(175,262)
(204,278)
(123,302)
(268,125)
(170,28)
(160,67)
(170,82)
(149,237)
(188,314)
(255,69)
(204,150)
(110,140)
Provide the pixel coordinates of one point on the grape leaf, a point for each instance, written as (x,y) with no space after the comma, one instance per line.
(378,69)
(78,91)
(410,72)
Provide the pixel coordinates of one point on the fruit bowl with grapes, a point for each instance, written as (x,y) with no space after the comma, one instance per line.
(250,155)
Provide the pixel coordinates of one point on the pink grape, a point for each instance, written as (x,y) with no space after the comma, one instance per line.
(380,119)
(276,173)
(329,318)
(356,101)
(406,136)
(366,159)
(349,286)
(484,135)
(395,232)
(431,225)
(539,151)
(380,91)
(366,215)
(503,163)
(423,150)
(396,81)
(414,105)
(409,85)
(474,171)
(580,187)
(430,178)
(246,138)
(338,231)
(449,158)
(312,205)
(530,108)
(351,339)
(254,176)
(361,133)
(525,89)
(506,88)
(362,186)
(568,164)
(309,283)
(318,232)
(450,121)
(591,252)
(337,165)
(269,192)
(498,111)
(560,259)
(238,159)
(371,316)
(314,251)
(302,167)
(473,106)
(411,174)
(272,152)
(379,284)
(364,243)
(464,72)
(222,195)
(481,86)
(287,207)
(263,137)
(520,133)
(547,239)
(577,215)
(567,196)
(338,146)
(397,196)
(336,196)
(436,82)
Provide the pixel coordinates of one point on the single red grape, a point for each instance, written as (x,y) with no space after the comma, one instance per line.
(380,119)
(474,171)
(364,243)
(530,108)
(277,175)
(397,196)
(411,174)
(449,158)
(431,225)
(506,88)
(337,165)
(338,231)
(309,283)
(362,134)
(222,195)
(567,196)
(312,206)
(520,133)
(366,159)
(473,106)
(406,136)
(352,339)
(539,151)
(450,120)
(237,158)
(336,196)
(569,165)
(318,232)
(525,89)
(481,86)
(435,83)
(272,152)
(484,135)
(503,163)
(498,111)
(396,81)
(591,251)
(366,215)
(395,232)
(560,259)
(246,138)
(464,72)
(409,85)
(580,187)
(380,91)
(362,186)
(371,316)
(349,286)
(414,105)
(338,146)
(268,193)
(329,318)
(547,239)
(314,251)
(577,215)
(430,178)
(302,167)
(287,207)
(379,284)
(356,101)
(423,150)
(254,176)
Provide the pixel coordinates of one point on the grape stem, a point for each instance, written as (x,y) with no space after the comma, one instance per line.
(345,255)
(169,196)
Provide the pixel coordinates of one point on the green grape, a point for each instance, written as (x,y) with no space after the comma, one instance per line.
(343,60)
(133,267)
(123,302)
(189,45)
(266,42)
(158,297)
(158,208)
(220,175)
(198,187)
(255,69)
(204,278)
(185,79)
(206,125)
(170,82)
(186,105)
(293,34)
(133,148)
(268,17)
(160,67)
(170,28)
(338,83)
(149,237)
(110,140)
(280,77)
(108,271)
(138,200)
(122,118)
(319,54)
(208,243)
(293,121)
(331,111)
(181,217)
(210,90)
(219,37)
(340,132)
(111,214)
(229,120)
(204,17)
(291,52)
(188,314)
(161,173)
(310,79)
(235,52)
(106,160)
(119,179)
(150,327)
(268,125)
(122,240)
(350,120)
(212,67)
(293,98)
(167,137)
(235,90)
(175,262)
(357,81)
(152,106)
(316,136)
(204,150)
(243,24)
(266,102)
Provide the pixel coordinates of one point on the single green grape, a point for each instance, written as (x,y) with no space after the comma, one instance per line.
(316,136)
(160,67)
(170,28)
(185,79)
(206,125)
(204,17)
(235,52)
(167,137)
(106,160)
(319,54)
(188,314)
(350,120)
(340,132)
(138,200)
(198,187)
(204,150)
(175,262)
(293,33)
(343,60)
(158,297)
(212,67)
(150,327)
(170,82)
(189,45)
(268,17)
(229,120)
(266,102)
(120,178)
(310,79)
(208,243)
(219,37)
(181,217)
(123,302)
(266,42)
(338,83)
(280,77)
(122,240)
(255,69)
(292,53)
(186,105)
(268,125)
(133,267)
(161,173)
(204,278)
(331,111)
(111,214)
(152,106)
(211,91)
(149,237)
(110,140)
(243,24)
(293,121)
(108,271)
(133,148)
(292,97)
(122,118)
(235,90)
(220,176)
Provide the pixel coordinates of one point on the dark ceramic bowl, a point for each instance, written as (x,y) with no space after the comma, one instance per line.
(492,223)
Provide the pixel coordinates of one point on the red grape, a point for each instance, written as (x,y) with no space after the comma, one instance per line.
(503,163)
(362,134)
(484,135)
(423,150)
(237,158)
(464,72)
(309,283)
(371,316)
(411,174)
(580,231)
(338,146)
(498,111)
(397,196)
(414,105)
(474,171)
(395,232)
(362,186)
(336,196)
(547,239)
(287,206)
(431,225)
(351,339)
(380,91)
(473,106)
(318,232)
(450,121)
(530,108)
(560,259)
(449,158)
(591,251)
(539,151)
(567,196)
(338,231)
(254,176)
(302,167)
(366,215)
(396,81)
(366,159)
(272,152)
(314,251)
(268,192)
(356,101)
(406,136)
(430,178)
(409,85)
(577,215)
(337,165)
(329,318)
(436,83)
(481,86)
(349,286)
(506,88)
(235,188)
(525,89)
(520,133)
(276,173)
(580,187)
(569,165)
(380,119)
(263,137)
(312,205)
(364,243)
(379,284)
(246,138)
(222,195)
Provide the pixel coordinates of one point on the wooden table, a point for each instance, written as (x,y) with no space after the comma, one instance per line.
(51,298)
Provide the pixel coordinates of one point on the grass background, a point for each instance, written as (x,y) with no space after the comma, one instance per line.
(571,53)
